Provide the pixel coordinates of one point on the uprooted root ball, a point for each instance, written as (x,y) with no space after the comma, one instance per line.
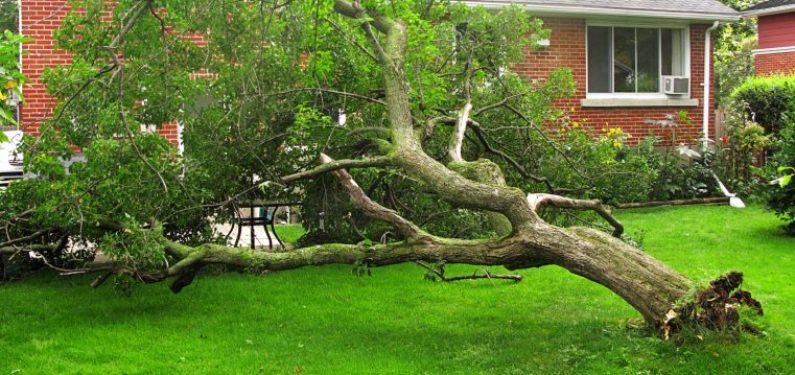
(715,307)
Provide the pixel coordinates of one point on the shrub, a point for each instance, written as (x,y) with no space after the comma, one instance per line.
(780,195)
(622,173)
(770,100)
(741,149)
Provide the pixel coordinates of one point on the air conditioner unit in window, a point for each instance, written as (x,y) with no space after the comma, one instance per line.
(676,85)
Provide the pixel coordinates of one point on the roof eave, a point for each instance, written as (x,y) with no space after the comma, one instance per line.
(769,11)
(613,12)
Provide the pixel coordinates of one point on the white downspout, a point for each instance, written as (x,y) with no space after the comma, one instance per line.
(21,67)
(707,83)
(19,31)
(734,200)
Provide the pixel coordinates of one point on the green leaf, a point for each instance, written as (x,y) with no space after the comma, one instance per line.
(7,117)
(785,180)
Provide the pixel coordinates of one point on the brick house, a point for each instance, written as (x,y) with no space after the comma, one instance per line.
(38,20)
(776,30)
(624,52)
(633,60)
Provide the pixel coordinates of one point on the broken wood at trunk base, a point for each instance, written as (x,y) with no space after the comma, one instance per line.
(714,307)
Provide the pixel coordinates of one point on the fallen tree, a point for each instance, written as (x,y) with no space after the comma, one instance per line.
(137,198)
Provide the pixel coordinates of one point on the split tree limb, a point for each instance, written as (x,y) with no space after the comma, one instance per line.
(370,207)
(457,139)
(538,201)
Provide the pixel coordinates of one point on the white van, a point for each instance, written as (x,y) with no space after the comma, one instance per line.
(10,159)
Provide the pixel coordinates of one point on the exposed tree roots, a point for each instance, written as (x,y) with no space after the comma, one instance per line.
(716,307)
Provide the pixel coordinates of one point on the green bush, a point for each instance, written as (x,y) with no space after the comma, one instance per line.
(618,172)
(771,99)
(741,150)
(781,194)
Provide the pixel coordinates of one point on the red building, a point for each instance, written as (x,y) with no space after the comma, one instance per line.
(38,20)
(776,51)
(633,60)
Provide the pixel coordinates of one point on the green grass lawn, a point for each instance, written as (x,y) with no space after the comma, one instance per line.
(326,321)
(289,233)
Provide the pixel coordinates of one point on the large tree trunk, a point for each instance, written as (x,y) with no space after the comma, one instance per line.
(645,283)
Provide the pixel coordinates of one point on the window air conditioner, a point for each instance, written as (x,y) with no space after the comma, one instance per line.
(676,85)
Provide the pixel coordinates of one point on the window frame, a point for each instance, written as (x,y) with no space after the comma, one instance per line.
(639,95)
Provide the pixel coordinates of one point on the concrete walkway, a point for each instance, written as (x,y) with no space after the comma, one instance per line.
(260,236)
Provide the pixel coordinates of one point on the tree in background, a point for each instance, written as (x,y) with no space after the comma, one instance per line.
(9,15)
(734,45)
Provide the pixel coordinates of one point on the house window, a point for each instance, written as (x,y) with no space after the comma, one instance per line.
(633,59)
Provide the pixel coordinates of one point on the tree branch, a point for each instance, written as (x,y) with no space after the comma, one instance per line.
(496,105)
(538,201)
(352,41)
(19,240)
(326,91)
(331,166)
(473,276)
(549,141)
(508,159)
(512,252)
(370,20)
(370,207)
(457,138)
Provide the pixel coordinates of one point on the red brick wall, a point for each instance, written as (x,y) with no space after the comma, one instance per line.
(39,19)
(775,63)
(567,49)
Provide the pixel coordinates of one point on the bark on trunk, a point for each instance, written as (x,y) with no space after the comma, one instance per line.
(647,284)
(487,172)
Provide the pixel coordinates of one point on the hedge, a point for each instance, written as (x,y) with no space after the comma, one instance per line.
(771,99)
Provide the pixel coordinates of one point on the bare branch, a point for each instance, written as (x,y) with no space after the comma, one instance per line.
(508,159)
(474,276)
(352,41)
(549,141)
(370,207)
(457,138)
(326,91)
(331,166)
(538,201)
(496,105)
(19,240)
